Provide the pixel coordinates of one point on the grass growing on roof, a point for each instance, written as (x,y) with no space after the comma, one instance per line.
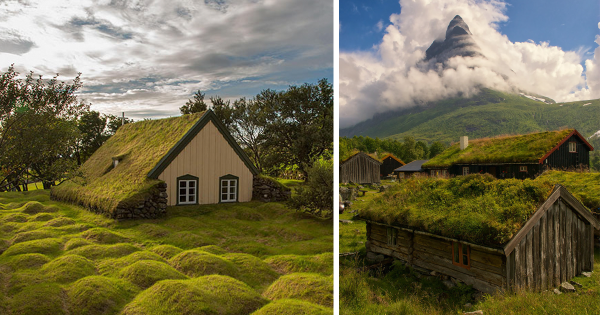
(475,208)
(140,146)
(584,186)
(524,148)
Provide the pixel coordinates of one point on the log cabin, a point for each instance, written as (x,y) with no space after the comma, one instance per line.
(522,156)
(360,168)
(554,244)
(389,164)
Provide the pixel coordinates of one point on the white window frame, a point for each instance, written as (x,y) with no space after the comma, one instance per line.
(229,196)
(572,147)
(189,198)
(465,170)
(523,168)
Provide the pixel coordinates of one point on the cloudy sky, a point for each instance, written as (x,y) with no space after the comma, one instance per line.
(148,57)
(549,47)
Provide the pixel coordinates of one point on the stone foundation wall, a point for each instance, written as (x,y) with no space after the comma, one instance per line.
(265,189)
(152,207)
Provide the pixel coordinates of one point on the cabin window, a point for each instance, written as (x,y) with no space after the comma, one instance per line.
(573,147)
(523,168)
(461,255)
(400,175)
(392,236)
(229,188)
(187,191)
(466,170)
(444,173)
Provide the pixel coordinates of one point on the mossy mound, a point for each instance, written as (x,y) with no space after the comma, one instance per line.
(166,251)
(310,287)
(47,246)
(34,207)
(15,217)
(42,217)
(153,230)
(213,249)
(4,244)
(69,268)
(253,271)
(21,279)
(112,266)
(103,236)
(60,221)
(99,295)
(42,298)
(28,261)
(195,263)
(293,307)
(322,263)
(147,272)
(33,235)
(205,295)
(96,251)
(76,242)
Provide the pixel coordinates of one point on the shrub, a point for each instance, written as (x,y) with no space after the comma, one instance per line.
(195,263)
(316,196)
(310,287)
(147,272)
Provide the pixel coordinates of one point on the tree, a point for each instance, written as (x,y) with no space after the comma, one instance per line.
(114,122)
(317,196)
(436,148)
(92,127)
(195,105)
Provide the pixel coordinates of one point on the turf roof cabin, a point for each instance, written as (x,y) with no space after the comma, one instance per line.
(145,166)
(523,156)
(360,168)
(389,164)
(410,169)
(491,234)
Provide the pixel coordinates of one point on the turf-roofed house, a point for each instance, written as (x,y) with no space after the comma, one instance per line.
(360,168)
(489,233)
(147,165)
(522,156)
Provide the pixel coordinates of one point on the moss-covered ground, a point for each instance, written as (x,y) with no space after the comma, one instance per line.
(402,290)
(56,258)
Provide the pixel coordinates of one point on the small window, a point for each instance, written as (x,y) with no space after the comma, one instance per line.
(228,188)
(573,147)
(187,191)
(392,236)
(523,168)
(461,255)
(465,170)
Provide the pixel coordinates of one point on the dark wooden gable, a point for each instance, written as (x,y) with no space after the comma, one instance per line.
(561,157)
(389,164)
(360,169)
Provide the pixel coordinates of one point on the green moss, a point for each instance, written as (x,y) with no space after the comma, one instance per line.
(474,208)
(213,249)
(99,295)
(104,251)
(205,295)
(103,236)
(195,263)
(253,271)
(153,230)
(76,242)
(309,287)
(27,261)
(147,272)
(321,263)
(4,244)
(166,251)
(293,307)
(42,217)
(69,268)
(511,149)
(33,207)
(33,235)
(43,298)
(48,246)
(60,221)
(14,217)
(112,266)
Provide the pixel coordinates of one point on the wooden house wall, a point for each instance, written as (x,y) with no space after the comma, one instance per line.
(498,171)
(562,158)
(388,166)
(556,249)
(208,156)
(360,169)
(487,272)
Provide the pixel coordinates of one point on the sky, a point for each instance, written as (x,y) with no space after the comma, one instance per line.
(147,57)
(548,47)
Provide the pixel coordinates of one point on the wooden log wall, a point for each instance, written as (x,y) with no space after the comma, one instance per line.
(487,268)
(360,169)
(555,250)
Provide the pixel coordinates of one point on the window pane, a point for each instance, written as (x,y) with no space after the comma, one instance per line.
(232,189)
(465,260)
(192,199)
(192,184)
(224,190)
(223,196)
(465,250)
(191,191)
(182,191)
(231,196)
(182,184)
(181,198)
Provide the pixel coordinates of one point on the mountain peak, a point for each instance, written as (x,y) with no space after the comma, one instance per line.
(458,42)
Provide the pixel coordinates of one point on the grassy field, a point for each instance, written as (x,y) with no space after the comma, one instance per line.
(243,258)
(404,291)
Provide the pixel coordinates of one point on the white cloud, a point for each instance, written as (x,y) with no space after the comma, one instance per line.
(393,75)
(379,26)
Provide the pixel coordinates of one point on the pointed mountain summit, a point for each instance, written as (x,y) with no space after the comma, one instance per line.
(458,42)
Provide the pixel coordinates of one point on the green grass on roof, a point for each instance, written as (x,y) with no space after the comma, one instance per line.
(584,186)
(140,146)
(474,208)
(523,148)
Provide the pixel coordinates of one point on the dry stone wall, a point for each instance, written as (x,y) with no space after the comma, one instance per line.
(266,189)
(153,206)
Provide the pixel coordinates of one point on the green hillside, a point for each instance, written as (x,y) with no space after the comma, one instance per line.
(489,113)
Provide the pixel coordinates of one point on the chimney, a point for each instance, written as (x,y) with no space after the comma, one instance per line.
(464,142)
(123,120)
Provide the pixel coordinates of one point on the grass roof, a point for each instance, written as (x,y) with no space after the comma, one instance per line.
(139,147)
(507,149)
(475,208)
(584,186)
(356,152)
